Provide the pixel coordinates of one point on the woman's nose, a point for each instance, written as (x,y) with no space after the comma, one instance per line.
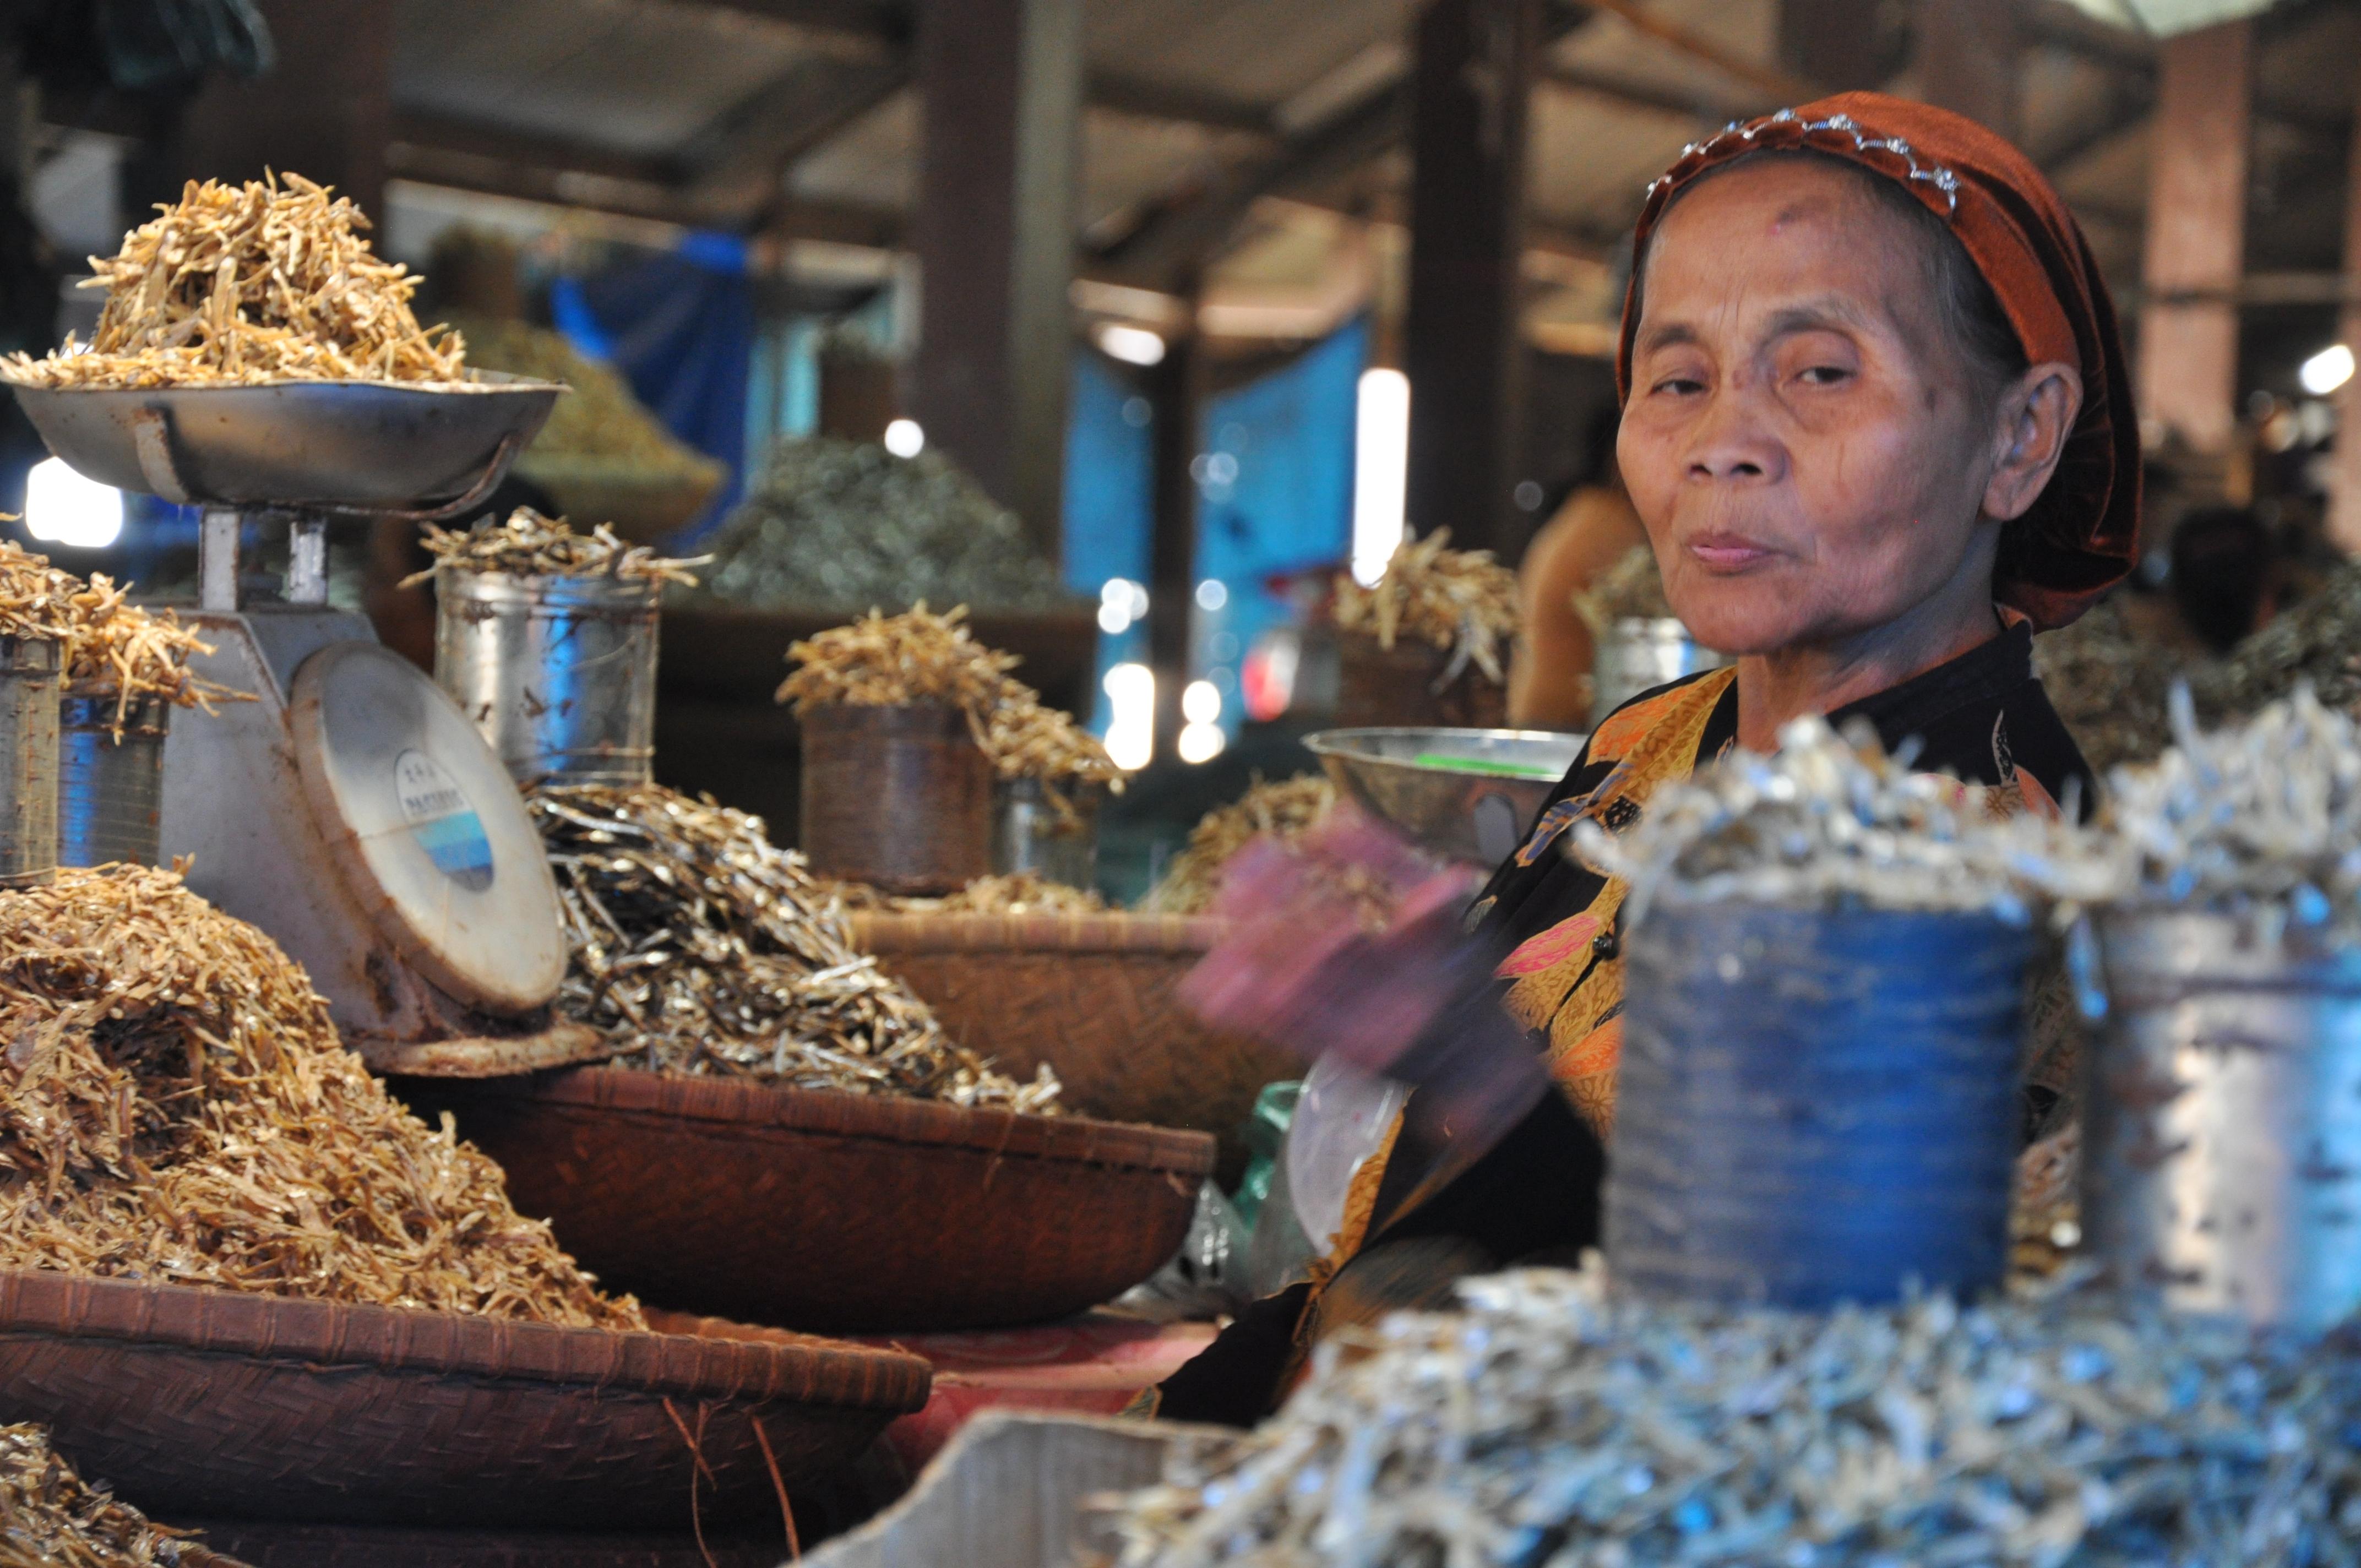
(1731,446)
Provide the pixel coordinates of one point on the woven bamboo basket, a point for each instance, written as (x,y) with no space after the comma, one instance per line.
(1093,996)
(200,1403)
(831,1211)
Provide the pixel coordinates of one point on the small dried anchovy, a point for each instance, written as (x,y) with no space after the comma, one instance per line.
(1829,819)
(1631,589)
(2263,815)
(175,1106)
(111,647)
(1554,1424)
(2109,684)
(702,948)
(531,545)
(51,1518)
(268,281)
(1459,600)
(1288,809)
(1020,894)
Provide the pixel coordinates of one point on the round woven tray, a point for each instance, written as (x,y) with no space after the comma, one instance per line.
(199,1403)
(1093,996)
(827,1211)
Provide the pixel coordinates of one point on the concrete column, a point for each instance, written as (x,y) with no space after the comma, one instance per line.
(995,236)
(2196,236)
(2344,502)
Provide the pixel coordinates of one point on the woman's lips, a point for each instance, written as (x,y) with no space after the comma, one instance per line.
(1727,552)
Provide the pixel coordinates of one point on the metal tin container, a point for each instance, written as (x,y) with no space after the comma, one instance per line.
(559,672)
(1816,1107)
(1029,834)
(28,753)
(1638,654)
(111,789)
(2221,1157)
(897,797)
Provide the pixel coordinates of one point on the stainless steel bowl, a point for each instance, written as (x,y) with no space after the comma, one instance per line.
(334,444)
(1469,794)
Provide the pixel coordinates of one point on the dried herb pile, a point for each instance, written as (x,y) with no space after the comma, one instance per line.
(835,524)
(531,545)
(890,661)
(2109,684)
(598,420)
(2261,817)
(1831,820)
(1458,599)
(1554,1423)
(268,281)
(51,1518)
(1631,589)
(702,948)
(111,646)
(175,1107)
(2318,642)
(1285,809)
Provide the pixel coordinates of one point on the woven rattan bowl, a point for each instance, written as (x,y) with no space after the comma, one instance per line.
(200,1403)
(1093,996)
(831,1211)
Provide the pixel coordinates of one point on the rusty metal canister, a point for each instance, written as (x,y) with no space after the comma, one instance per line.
(897,797)
(28,751)
(1030,834)
(558,672)
(1639,653)
(2222,1145)
(1815,1106)
(111,786)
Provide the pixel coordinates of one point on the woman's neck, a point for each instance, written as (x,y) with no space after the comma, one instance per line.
(1820,677)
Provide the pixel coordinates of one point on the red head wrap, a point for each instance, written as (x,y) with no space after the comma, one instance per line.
(2078,539)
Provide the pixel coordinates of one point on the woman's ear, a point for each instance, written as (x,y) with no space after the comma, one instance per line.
(2037,414)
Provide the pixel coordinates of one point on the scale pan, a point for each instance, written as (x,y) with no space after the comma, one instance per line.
(369,444)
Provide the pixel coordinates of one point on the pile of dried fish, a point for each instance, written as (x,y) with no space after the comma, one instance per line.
(1020,894)
(51,1518)
(1553,1422)
(2263,815)
(1831,820)
(175,1107)
(2109,684)
(271,281)
(1631,589)
(1286,810)
(111,647)
(1028,739)
(598,420)
(835,524)
(1459,600)
(705,948)
(2318,642)
(531,545)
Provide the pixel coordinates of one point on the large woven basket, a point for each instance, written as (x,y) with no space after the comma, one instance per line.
(1093,996)
(827,1211)
(200,1403)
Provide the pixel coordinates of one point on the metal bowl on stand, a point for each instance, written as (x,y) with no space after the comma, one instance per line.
(1468,795)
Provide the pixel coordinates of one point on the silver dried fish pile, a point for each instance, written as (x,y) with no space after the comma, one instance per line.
(835,524)
(703,947)
(1831,820)
(2318,642)
(2263,815)
(2109,684)
(1631,589)
(1462,600)
(1555,1424)
(51,1518)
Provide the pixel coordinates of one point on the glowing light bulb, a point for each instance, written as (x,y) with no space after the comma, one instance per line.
(904,439)
(2326,371)
(1380,471)
(65,507)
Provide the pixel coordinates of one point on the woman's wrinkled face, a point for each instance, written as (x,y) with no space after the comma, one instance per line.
(1808,451)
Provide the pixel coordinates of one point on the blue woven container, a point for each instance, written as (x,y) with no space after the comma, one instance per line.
(1816,1107)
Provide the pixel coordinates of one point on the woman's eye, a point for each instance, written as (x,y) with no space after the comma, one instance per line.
(1680,386)
(1825,375)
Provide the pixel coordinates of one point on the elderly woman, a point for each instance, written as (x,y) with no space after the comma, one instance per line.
(1878,424)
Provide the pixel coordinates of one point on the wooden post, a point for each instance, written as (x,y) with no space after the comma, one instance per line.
(2196,236)
(325,110)
(1177,389)
(1472,80)
(995,235)
(1967,57)
(2344,500)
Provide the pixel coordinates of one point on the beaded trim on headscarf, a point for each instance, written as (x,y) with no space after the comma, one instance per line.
(1930,173)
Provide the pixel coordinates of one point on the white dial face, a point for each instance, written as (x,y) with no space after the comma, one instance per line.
(442,820)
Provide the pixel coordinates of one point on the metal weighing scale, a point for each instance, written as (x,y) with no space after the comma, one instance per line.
(351,812)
